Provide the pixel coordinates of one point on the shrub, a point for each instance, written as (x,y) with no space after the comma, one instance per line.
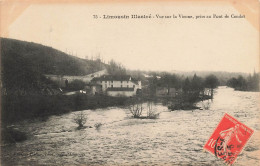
(136,107)
(151,113)
(98,125)
(80,119)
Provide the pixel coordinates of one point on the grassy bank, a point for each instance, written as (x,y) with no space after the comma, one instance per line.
(16,108)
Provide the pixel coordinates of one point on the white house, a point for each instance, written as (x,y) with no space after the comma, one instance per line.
(117,85)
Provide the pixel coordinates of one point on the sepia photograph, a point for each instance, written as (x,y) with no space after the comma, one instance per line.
(121,82)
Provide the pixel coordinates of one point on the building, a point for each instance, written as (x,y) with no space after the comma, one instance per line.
(116,85)
(63,80)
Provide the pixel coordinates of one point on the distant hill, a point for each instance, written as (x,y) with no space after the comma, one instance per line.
(222,76)
(23,65)
(48,60)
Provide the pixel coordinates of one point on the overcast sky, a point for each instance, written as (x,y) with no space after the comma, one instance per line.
(148,44)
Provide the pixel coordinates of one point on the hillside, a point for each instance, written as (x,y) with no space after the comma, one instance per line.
(48,60)
(24,63)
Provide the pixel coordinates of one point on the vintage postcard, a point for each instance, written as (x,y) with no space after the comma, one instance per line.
(130,82)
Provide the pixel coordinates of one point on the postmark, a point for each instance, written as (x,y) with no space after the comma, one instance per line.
(228,139)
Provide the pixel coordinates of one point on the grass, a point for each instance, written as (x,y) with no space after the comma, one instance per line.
(16,108)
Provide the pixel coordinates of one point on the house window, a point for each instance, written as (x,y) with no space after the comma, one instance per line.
(133,86)
(121,86)
(111,86)
(127,86)
(121,82)
(112,81)
(105,81)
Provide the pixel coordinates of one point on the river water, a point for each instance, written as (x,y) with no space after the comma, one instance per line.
(176,138)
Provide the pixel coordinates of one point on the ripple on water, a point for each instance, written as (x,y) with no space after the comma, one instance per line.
(176,138)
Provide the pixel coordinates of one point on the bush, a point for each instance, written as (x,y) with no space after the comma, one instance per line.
(136,107)
(151,114)
(182,105)
(80,119)
(98,125)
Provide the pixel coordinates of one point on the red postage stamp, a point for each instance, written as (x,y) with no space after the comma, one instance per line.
(228,139)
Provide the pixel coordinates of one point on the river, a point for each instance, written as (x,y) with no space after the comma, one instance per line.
(176,138)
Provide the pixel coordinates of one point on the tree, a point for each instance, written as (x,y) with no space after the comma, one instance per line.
(240,83)
(211,82)
(80,119)
(186,86)
(136,107)
(115,68)
(197,84)
(253,82)
(153,86)
(169,81)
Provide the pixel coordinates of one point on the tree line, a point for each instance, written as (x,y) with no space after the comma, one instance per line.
(195,85)
(250,83)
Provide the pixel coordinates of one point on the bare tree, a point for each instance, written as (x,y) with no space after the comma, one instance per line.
(136,108)
(80,119)
(151,113)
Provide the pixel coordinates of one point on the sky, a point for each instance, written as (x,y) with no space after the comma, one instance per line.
(146,44)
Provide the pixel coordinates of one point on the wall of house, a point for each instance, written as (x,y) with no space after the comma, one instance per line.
(121,93)
(119,84)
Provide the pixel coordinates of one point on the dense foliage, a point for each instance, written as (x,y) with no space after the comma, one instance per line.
(187,91)
(186,85)
(251,83)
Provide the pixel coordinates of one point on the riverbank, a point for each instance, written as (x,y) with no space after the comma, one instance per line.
(176,138)
(41,107)
(17,108)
